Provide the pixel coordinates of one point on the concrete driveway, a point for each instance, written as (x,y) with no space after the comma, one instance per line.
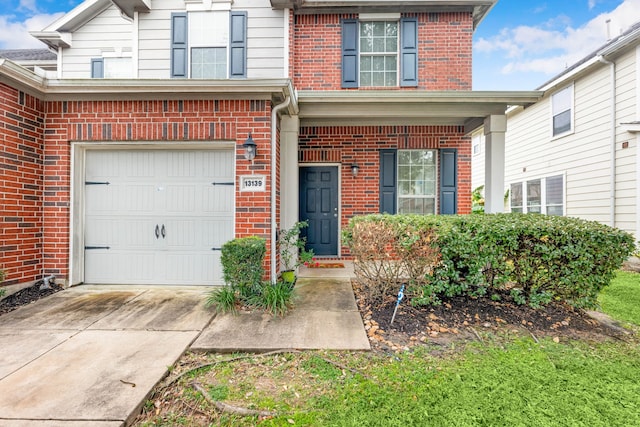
(88,356)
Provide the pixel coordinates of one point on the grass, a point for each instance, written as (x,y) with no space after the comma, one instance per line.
(504,381)
(621,299)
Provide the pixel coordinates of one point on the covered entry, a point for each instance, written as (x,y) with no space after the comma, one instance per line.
(157,216)
(319,206)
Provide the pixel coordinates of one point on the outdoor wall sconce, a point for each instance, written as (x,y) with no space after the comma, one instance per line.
(250,148)
(354,169)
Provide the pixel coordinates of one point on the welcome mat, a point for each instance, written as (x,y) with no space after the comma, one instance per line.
(325,265)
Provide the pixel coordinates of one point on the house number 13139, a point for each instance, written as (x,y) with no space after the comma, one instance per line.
(252,183)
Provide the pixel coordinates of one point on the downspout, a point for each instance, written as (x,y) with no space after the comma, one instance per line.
(274,152)
(612,72)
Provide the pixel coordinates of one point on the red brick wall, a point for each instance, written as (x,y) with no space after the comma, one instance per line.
(21,131)
(177,121)
(444,51)
(361,145)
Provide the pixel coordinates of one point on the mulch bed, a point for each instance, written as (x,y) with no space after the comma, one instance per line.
(463,318)
(26,296)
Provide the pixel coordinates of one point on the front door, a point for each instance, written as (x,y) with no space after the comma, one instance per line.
(319,206)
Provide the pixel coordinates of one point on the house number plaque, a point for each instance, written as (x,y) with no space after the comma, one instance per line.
(252,183)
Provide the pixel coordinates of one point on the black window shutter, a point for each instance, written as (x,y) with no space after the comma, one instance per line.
(409,52)
(349,53)
(238,45)
(448,181)
(179,30)
(97,68)
(388,181)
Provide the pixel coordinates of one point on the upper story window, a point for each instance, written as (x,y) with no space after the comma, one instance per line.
(562,111)
(208,45)
(379,53)
(112,66)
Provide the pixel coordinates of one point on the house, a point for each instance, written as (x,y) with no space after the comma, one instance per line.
(173,126)
(575,151)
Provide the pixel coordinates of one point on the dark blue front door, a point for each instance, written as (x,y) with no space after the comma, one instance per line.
(319,206)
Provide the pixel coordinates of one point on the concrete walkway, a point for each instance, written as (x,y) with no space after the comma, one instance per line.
(90,355)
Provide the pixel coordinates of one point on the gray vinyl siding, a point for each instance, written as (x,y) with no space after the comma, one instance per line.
(91,40)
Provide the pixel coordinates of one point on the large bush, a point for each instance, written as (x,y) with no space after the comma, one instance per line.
(537,258)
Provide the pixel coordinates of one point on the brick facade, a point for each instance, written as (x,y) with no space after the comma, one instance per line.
(21,216)
(444,51)
(36,238)
(361,144)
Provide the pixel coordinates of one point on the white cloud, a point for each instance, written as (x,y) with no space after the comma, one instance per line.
(29,5)
(552,46)
(15,35)
(592,4)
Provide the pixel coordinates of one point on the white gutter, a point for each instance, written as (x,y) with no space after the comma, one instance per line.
(612,161)
(274,152)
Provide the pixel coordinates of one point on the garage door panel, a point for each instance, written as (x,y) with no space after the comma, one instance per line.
(168,189)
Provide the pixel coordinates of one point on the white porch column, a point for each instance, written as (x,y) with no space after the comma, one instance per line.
(289,130)
(495,127)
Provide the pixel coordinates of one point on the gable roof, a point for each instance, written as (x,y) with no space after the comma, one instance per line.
(59,33)
(632,35)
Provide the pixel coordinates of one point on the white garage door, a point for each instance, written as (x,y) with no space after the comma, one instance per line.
(157,216)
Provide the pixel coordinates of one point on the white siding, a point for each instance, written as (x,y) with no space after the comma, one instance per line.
(626,176)
(265,39)
(477,161)
(584,155)
(107,32)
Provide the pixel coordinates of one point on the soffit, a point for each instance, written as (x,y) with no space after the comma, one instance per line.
(460,108)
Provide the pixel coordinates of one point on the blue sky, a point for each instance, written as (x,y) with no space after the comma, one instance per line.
(518,46)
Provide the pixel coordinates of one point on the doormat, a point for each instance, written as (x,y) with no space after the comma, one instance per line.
(325,265)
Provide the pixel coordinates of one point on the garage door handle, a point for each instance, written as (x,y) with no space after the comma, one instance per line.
(164,232)
(157,231)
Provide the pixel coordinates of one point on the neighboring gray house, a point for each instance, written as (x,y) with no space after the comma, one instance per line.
(39,61)
(575,152)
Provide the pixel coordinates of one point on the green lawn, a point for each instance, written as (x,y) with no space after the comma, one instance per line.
(503,381)
(621,300)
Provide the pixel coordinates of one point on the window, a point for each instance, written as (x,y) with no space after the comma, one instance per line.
(417,181)
(208,45)
(562,111)
(379,53)
(111,67)
(515,195)
(477,144)
(544,195)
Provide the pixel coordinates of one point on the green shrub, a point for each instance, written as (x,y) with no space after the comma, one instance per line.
(242,264)
(538,258)
(243,272)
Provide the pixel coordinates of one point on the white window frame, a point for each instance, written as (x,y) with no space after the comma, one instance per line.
(202,36)
(384,19)
(424,196)
(478,142)
(558,109)
(543,193)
